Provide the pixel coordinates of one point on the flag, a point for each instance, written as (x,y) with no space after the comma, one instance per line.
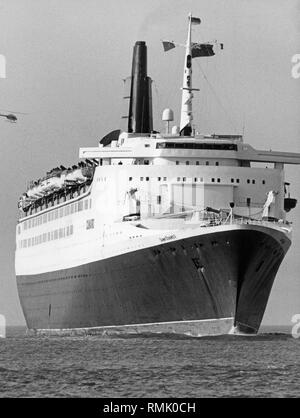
(202,50)
(168,45)
(195,20)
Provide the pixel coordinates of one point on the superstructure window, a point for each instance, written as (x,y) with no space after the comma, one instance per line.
(232,180)
(218,180)
(217,162)
(206,162)
(187,163)
(253,181)
(177,162)
(195,145)
(263,182)
(130,178)
(213,180)
(248,181)
(237,180)
(197,163)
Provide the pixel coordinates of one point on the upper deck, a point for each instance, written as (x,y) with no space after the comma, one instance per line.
(228,147)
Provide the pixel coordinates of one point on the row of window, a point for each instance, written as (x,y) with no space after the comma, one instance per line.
(58,213)
(196,179)
(194,145)
(47,236)
(197,163)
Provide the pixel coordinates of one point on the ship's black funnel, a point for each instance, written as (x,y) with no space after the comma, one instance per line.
(140,106)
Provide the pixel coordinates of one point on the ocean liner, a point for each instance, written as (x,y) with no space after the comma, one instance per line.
(175,232)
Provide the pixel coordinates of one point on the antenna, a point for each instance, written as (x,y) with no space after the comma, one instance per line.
(192,50)
(187,95)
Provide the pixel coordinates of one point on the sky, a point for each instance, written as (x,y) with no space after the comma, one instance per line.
(65,62)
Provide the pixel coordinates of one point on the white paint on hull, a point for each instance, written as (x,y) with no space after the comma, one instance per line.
(194,328)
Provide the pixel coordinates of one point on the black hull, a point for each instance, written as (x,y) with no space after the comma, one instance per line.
(226,274)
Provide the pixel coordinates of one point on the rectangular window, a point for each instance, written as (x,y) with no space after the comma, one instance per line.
(80,206)
(90,223)
(158,199)
(72,208)
(86,204)
(71,229)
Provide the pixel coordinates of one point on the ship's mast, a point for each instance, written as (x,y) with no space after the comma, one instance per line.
(187,90)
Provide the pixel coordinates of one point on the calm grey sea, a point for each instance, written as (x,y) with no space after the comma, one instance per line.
(267,365)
